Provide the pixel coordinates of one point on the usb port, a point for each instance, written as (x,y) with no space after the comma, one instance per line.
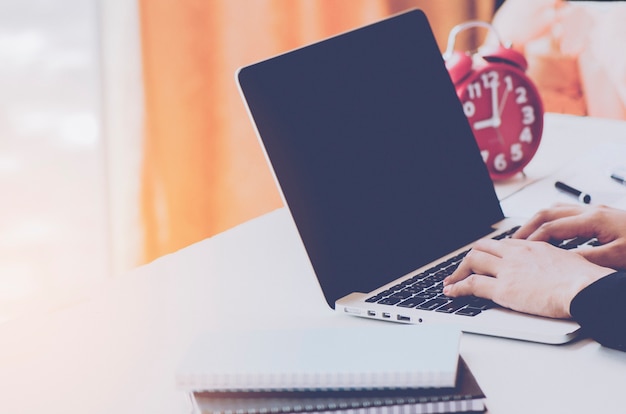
(403,318)
(386,315)
(371,313)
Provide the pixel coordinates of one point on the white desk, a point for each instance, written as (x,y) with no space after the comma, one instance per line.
(118,351)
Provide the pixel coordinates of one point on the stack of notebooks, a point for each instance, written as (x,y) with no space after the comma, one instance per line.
(373,369)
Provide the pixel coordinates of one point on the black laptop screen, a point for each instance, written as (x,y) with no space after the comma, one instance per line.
(372,151)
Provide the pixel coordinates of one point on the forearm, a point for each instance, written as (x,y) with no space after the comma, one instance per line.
(600,309)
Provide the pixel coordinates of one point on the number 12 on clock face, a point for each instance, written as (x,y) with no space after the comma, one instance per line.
(505,113)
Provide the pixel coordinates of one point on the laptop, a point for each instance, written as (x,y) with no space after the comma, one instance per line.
(379,169)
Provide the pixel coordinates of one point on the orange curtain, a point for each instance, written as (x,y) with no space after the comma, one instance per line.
(203,169)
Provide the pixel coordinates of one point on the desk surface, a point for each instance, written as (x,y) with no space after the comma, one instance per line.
(118,351)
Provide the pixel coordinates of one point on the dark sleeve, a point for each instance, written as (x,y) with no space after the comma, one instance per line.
(600,309)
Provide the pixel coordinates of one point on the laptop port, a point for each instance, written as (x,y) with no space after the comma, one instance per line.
(403,318)
(371,313)
(386,315)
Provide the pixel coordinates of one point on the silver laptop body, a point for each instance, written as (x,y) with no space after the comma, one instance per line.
(377,164)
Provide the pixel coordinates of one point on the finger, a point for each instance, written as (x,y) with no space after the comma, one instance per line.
(478,285)
(476,261)
(545,216)
(565,228)
(555,212)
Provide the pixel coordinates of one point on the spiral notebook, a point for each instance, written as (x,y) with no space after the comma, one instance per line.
(376,356)
(467,396)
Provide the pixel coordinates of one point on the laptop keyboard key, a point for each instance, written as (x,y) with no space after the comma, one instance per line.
(574,243)
(403,294)
(480,303)
(427,295)
(412,302)
(468,311)
(375,298)
(437,288)
(390,301)
(453,306)
(433,304)
(506,234)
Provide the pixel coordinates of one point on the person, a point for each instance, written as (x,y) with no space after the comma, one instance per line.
(570,48)
(527,274)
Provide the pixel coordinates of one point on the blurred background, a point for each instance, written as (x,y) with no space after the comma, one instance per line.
(123,136)
(54,238)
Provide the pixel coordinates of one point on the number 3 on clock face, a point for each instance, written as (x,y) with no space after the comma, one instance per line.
(505,113)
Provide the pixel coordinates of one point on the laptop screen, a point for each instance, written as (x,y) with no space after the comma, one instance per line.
(372,152)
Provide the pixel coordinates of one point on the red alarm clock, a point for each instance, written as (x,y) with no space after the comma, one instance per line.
(501,102)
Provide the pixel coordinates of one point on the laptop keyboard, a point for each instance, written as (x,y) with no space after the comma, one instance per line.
(425,290)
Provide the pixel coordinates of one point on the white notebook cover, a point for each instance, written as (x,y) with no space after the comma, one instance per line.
(368,356)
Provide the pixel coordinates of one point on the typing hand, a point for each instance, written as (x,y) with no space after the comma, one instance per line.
(526,276)
(566,221)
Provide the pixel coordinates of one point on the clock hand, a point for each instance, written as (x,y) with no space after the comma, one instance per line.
(494,103)
(499,135)
(495,120)
(485,123)
(503,101)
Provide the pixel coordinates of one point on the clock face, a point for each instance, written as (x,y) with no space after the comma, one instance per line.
(505,112)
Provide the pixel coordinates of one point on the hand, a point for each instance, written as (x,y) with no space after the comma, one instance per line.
(566,221)
(526,276)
